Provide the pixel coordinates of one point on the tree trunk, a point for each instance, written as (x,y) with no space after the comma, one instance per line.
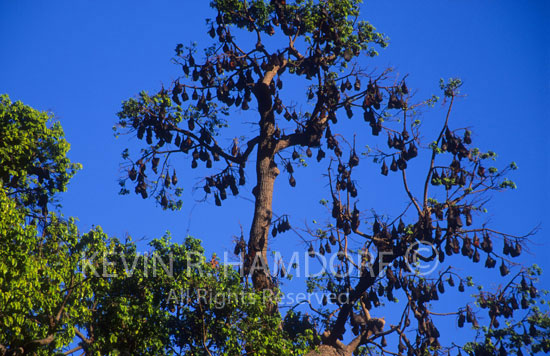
(327,350)
(266,172)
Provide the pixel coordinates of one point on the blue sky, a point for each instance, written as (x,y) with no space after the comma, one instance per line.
(81,59)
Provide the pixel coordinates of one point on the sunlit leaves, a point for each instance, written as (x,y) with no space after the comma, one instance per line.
(33,155)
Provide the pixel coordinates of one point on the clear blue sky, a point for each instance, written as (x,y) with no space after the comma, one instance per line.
(80,59)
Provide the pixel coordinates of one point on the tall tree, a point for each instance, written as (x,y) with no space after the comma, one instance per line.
(66,292)
(316,44)
(319,40)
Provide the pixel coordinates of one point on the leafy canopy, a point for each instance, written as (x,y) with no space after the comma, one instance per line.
(33,156)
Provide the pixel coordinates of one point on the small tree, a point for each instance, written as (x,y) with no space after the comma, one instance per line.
(316,44)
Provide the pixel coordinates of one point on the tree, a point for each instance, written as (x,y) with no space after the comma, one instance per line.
(316,44)
(67,292)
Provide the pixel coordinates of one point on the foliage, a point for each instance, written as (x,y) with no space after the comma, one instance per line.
(41,294)
(60,288)
(33,161)
(179,307)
